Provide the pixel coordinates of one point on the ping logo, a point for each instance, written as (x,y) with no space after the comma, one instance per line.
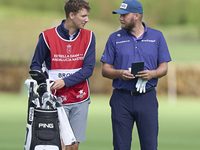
(124,6)
(46,125)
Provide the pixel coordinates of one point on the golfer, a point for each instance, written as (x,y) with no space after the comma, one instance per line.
(134,96)
(68,51)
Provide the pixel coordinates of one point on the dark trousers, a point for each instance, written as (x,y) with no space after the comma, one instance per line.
(127,110)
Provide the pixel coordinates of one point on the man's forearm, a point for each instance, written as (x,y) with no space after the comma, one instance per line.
(109,72)
(150,74)
(161,70)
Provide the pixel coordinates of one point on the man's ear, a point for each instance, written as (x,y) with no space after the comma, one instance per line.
(71,15)
(137,16)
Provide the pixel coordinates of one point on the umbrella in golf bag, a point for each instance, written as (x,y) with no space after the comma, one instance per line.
(47,122)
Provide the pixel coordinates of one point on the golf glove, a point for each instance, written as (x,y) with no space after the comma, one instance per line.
(141,85)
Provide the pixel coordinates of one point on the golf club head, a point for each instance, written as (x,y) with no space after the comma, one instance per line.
(42,88)
(36,102)
(48,103)
(52,97)
(38,76)
(59,102)
(59,99)
(45,95)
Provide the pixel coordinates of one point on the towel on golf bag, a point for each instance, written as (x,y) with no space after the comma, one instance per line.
(66,132)
(45,131)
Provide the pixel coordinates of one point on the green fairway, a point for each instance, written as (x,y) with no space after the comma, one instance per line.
(179,124)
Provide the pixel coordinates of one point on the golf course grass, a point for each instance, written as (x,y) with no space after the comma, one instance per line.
(178,123)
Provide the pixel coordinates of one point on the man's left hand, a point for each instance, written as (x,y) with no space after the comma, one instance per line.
(145,75)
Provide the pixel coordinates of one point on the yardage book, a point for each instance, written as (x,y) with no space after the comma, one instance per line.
(136,67)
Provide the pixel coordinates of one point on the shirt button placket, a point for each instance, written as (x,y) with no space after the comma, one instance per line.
(135,44)
(136,51)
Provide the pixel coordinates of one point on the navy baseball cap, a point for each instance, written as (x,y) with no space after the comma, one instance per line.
(128,6)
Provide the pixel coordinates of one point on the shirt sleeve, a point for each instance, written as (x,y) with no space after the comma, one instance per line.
(41,55)
(163,52)
(87,69)
(109,52)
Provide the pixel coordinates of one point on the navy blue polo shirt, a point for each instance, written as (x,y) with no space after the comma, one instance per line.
(123,48)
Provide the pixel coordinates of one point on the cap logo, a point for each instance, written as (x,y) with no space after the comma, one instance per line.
(123,5)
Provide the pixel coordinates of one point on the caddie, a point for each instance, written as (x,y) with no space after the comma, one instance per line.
(68,51)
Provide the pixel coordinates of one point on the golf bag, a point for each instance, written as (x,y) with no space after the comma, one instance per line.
(45,125)
(45,131)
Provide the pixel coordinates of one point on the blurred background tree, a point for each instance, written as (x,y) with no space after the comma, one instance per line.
(155,11)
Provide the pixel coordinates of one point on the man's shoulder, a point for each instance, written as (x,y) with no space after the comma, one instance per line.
(49,30)
(119,34)
(153,31)
(85,30)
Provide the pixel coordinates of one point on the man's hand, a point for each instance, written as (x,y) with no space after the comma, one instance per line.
(126,75)
(145,75)
(158,73)
(58,84)
(109,72)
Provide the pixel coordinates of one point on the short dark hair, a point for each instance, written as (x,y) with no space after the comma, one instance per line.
(75,6)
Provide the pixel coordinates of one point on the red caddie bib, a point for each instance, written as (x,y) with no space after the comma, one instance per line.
(66,59)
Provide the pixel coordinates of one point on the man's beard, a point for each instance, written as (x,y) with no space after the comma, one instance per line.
(129,26)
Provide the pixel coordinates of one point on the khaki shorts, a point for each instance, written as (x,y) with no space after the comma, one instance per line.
(77,114)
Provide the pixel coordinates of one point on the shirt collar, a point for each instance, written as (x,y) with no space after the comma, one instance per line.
(70,37)
(141,37)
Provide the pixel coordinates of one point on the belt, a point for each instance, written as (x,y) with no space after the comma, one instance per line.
(135,93)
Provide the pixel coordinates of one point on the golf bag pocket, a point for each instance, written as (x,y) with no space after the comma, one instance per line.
(45,130)
(46,135)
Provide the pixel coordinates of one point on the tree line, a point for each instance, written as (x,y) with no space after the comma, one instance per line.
(161,12)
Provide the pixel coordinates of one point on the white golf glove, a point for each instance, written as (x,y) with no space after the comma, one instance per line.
(141,85)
